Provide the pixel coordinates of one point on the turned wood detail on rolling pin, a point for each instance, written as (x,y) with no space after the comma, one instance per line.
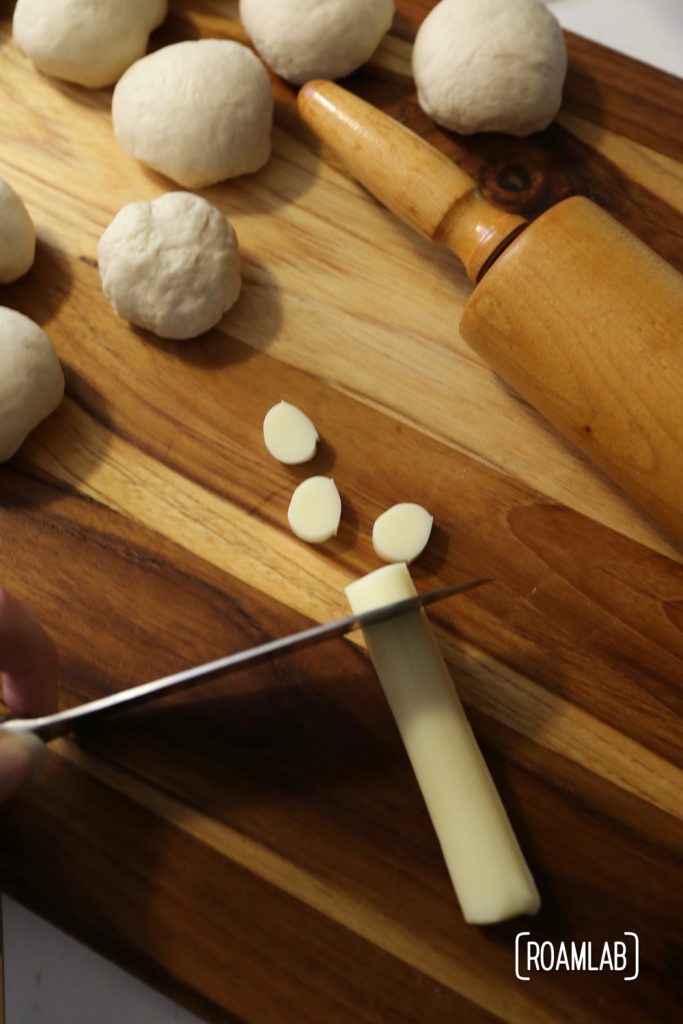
(416,182)
(577,314)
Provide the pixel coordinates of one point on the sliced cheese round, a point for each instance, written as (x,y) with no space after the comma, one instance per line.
(401,533)
(289,435)
(315,510)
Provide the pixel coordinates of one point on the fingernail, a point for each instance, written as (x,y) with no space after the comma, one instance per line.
(21,762)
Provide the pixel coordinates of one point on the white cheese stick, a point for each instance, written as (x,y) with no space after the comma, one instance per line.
(487,868)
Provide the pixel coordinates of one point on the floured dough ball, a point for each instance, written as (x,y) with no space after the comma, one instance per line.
(490,66)
(301,40)
(198,112)
(90,42)
(171,265)
(17,236)
(31,379)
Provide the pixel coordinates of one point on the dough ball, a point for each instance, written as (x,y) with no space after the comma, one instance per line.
(31,379)
(289,434)
(17,236)
(490,66)
(301,40)
(91,42)
(171,265)
(198,112)
(315,510)
(401,533)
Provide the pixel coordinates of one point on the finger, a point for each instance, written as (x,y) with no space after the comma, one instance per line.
(28,660)
(20,760)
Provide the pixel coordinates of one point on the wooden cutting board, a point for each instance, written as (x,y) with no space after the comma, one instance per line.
(259,849)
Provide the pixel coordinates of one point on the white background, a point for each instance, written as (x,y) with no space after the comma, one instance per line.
(49,978)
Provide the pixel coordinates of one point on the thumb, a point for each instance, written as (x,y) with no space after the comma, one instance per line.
(21,756)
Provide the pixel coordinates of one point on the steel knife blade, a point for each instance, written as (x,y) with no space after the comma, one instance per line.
(49,727)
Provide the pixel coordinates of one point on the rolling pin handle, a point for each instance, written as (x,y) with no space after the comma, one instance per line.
(415,181)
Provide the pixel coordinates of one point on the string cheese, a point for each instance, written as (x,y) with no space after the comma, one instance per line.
(487,868)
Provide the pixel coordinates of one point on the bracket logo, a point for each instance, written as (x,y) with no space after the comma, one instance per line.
(620,956)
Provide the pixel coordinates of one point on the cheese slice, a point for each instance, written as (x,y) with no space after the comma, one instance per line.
(289,434)
(315,510)
(401,533)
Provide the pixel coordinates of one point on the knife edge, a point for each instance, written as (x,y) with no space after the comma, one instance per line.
(49,727)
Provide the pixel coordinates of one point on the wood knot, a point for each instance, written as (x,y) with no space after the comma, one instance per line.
(513,178)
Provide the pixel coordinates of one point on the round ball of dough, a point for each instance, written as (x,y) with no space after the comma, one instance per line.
(171,266)
(301,40)
(17,236)
(198,112)
(493,65)
(90,42)
(31,379)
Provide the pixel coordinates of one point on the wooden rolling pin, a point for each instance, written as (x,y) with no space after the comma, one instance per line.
(577,314)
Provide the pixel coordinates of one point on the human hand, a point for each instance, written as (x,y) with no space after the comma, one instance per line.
(28,663)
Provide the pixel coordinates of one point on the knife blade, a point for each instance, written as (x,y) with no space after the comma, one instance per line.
(49,727)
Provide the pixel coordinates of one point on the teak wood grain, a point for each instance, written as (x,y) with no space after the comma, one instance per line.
(259,849)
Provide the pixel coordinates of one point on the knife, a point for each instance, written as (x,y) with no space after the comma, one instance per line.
(49,727)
